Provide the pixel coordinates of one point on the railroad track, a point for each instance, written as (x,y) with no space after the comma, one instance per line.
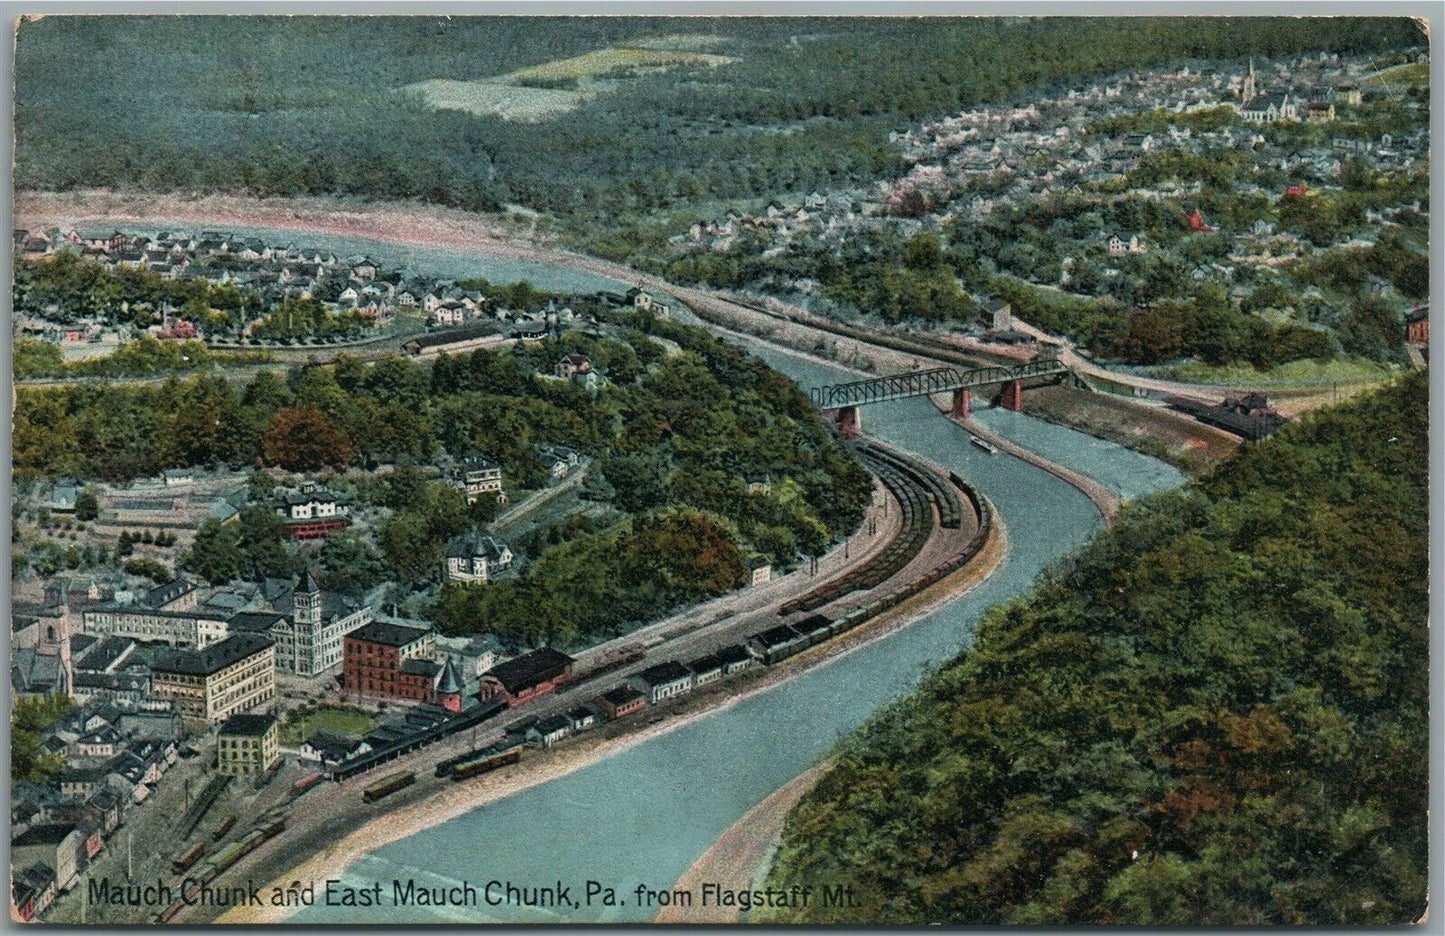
(916,491)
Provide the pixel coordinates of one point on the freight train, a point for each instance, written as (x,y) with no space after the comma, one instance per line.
(270,826)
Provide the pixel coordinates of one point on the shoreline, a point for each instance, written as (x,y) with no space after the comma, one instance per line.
(745,851)
(413,224)
(740,853)
(405,821)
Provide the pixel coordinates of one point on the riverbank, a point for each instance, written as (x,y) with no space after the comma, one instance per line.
(739,855)
(742,854)
(327,858)
(503,237)
(1187,444)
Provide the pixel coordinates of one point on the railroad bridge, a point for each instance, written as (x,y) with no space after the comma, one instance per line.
(846,398)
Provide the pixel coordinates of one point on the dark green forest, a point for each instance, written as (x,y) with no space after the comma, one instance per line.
(314,105)
(1216,713)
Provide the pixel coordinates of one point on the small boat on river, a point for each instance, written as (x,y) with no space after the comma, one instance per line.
(984,444)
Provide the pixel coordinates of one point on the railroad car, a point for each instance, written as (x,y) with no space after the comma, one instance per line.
(187,858)
(487,760)
(223,828)
(388,785)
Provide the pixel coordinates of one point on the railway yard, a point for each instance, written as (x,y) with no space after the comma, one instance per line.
(926,525)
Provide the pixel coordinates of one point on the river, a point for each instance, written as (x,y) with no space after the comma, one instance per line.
(643,816)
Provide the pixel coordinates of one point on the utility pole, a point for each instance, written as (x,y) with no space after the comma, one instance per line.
(129,864)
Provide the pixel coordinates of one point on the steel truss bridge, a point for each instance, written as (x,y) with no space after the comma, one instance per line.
(927,382)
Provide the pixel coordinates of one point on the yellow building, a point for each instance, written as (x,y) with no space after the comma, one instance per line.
(224,679)
(249,744)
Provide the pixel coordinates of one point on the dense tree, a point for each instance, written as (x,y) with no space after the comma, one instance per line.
(87,505)
(336,113)
(1213,714)
(29,762)
(215,555)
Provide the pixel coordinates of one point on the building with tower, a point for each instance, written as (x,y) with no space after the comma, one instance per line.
(398,663)
(43,667)
(450,687)
(310,642)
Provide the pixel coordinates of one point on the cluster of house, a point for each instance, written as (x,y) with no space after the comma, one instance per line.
(114,756)
(149,670)
(1050,145)
(273,274)
(970,165)
(816,215)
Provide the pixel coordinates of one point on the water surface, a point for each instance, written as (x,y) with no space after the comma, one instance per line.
(644,816)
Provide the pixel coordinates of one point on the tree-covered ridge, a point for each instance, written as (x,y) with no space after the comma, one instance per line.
(319,105)
(1215,714)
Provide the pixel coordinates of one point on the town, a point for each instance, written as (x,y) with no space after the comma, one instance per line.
(1283,200)
(299,537)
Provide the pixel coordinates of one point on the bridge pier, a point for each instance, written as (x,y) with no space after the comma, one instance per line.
(850,422)
(1013,396)
(962,403)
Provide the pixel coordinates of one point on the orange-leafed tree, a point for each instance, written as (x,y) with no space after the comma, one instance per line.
(303,439)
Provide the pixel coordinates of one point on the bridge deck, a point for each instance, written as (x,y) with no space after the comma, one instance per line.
(928,382)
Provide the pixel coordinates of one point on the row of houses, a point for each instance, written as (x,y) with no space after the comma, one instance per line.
(115,756)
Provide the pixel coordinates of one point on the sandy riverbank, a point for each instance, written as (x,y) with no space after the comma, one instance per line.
(281,868)
(735,859)
(742,854)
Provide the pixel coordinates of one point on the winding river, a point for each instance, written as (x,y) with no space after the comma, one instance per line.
(643,816)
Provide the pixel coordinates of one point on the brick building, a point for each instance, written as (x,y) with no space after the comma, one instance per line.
(528,676)
(391,661)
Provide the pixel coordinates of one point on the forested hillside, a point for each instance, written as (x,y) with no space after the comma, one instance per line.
(1215,714)
(738,108)
(672,438)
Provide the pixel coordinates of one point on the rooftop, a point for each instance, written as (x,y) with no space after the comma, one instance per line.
(214,658)
(663,673)
(529,669)
(251,726)
(390,635)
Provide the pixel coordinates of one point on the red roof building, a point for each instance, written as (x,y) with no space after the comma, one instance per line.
(391,661)
(526,677)
(1196,222)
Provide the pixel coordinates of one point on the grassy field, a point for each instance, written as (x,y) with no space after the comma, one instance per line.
(1416,73)
(617,58)
(339,719)
(525,95)
(1305,373)
(496,98)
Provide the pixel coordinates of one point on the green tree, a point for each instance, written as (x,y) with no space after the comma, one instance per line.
(215,555)
(87,505)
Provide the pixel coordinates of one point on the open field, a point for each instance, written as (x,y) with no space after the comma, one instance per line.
(1294,375)
(495,98)
(1416,73)
(518,97)
(341,719)
(619,58)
